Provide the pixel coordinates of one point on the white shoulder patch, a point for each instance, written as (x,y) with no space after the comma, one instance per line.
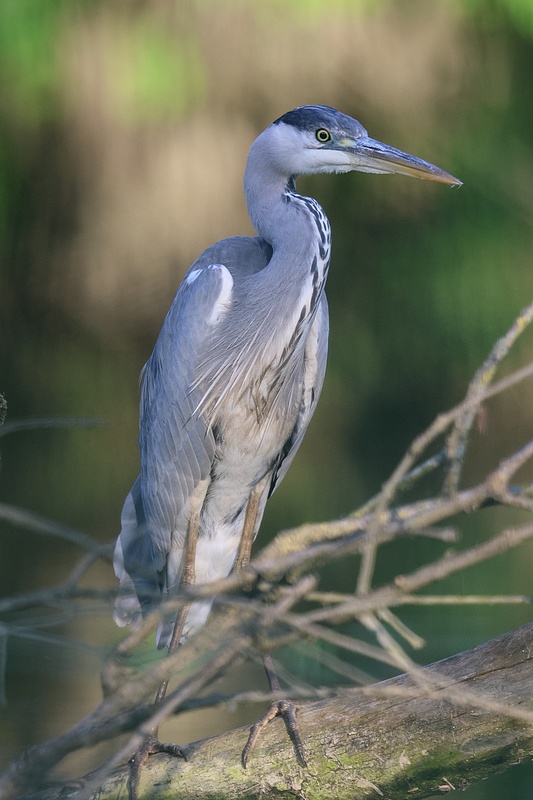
(223,301)
(191,277)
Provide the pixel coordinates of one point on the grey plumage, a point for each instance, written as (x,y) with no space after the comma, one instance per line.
(238,367)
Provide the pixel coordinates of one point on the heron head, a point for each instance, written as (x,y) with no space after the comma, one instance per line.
(312,139)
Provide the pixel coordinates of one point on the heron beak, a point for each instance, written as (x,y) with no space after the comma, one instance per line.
(370,155)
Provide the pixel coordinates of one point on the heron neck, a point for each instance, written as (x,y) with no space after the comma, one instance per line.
(287,221)
(296,228)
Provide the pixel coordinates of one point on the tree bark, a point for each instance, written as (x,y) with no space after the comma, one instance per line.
(390,740)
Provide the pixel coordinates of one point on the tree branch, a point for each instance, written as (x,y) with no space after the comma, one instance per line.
(474,717)
(383,754)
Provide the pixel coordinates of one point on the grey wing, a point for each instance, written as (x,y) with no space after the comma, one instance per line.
(176,442)
(314,369)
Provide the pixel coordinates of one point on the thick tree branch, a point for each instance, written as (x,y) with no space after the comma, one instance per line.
(363,756)
(390,740)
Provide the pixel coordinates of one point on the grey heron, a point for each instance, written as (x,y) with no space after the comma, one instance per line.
(237,370)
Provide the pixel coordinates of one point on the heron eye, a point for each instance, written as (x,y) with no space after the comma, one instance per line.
(323,135)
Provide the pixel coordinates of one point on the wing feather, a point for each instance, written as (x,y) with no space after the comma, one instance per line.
(177,444)
(176,441)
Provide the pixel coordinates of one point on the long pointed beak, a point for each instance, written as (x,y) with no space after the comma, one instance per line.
(369,155)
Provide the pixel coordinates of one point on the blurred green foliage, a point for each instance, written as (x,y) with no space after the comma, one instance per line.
(29,31)
(495,12)
(167,76)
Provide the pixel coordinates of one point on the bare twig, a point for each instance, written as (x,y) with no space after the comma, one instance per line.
(512,537)
(39,524)
(456,443)
(438,427)
(15,426)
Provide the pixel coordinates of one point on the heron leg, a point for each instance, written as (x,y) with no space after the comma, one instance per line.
(251,523)
(151,744)
(149,747)
(279,708)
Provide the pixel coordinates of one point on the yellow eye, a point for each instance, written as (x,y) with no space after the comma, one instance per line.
(323,135)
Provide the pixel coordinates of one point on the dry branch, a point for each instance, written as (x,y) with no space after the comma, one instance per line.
(389,740)
(442,726)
